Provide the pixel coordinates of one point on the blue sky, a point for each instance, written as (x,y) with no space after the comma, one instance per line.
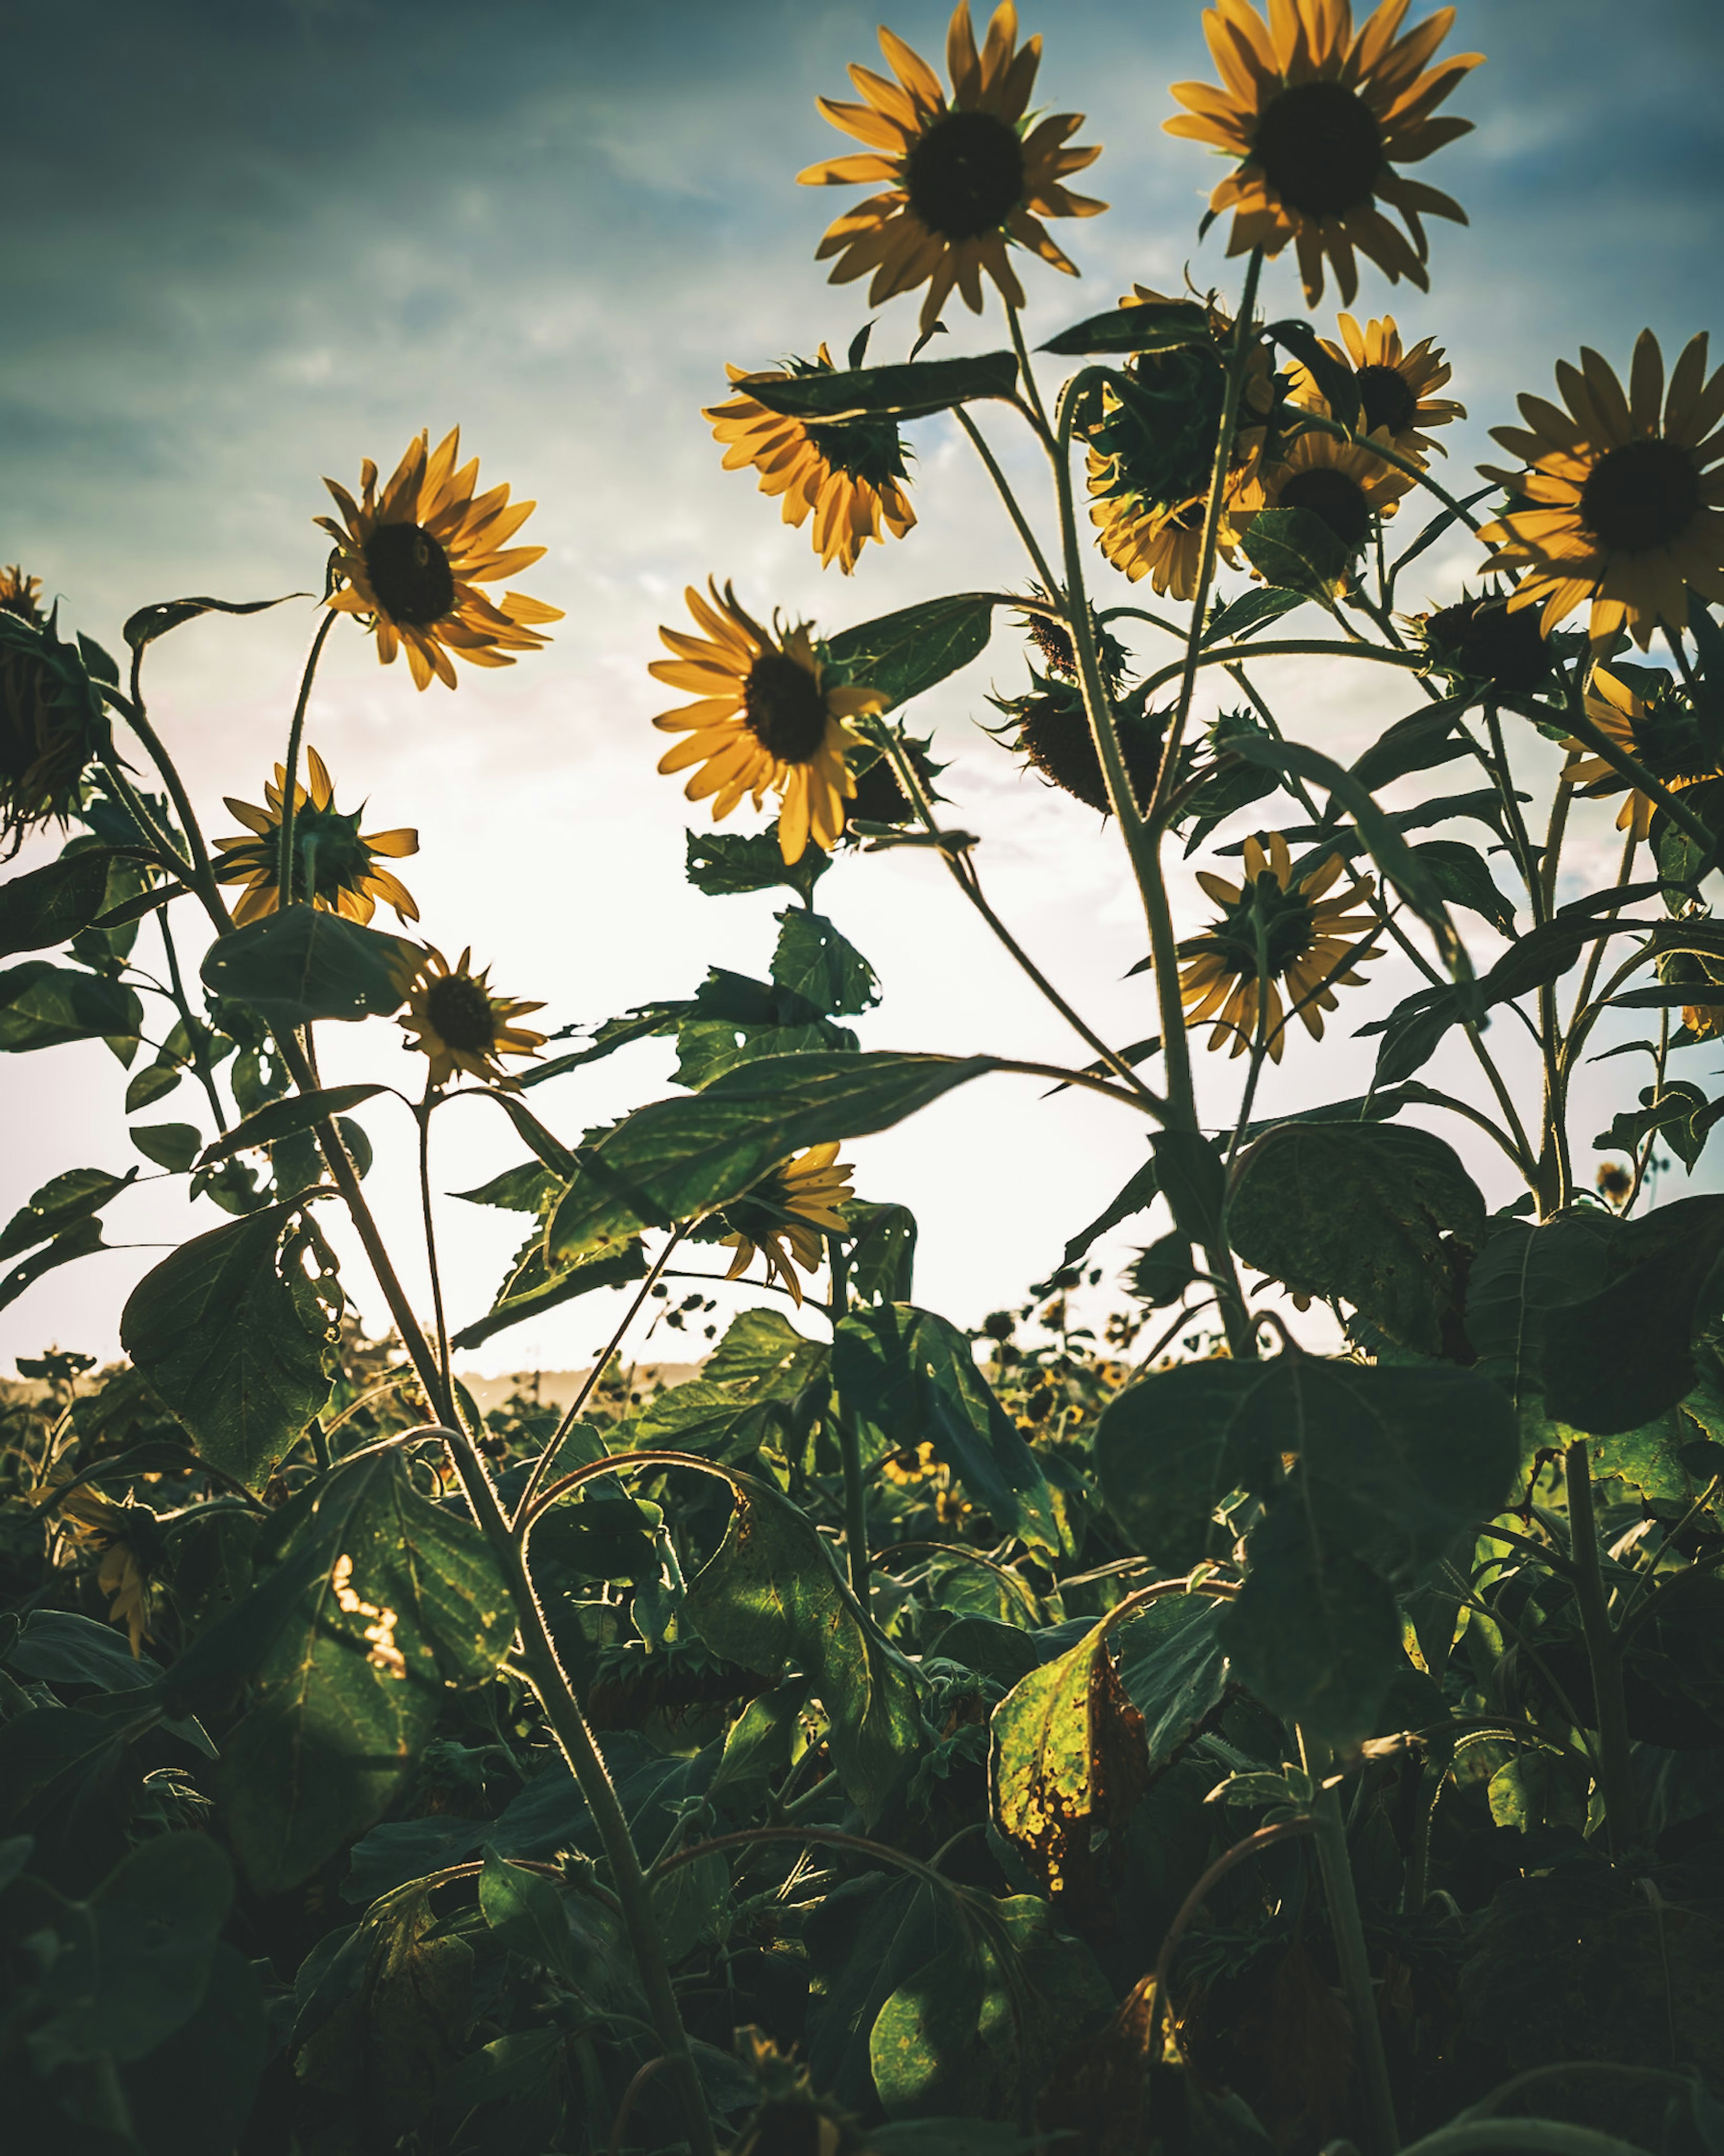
(246,246)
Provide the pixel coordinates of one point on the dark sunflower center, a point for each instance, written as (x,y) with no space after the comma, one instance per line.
(965,177)
(784,708)
(1330,494)
(1386,399)
(461,1012)
(1320,147)
(410,574)
(1640,496)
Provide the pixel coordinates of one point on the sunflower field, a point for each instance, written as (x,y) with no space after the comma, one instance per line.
(1292,1720)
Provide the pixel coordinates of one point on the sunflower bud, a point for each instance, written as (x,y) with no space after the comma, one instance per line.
(51,717)
(1482,639)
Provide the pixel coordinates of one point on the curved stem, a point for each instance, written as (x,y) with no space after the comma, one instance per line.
(137,718)
(291,766)
(1254,1844)
(1298,647)
(1037,559)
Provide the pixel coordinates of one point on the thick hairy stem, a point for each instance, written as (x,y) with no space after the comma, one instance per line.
(291,763)
(1603,1654)
(850,1444)
(1348,1931)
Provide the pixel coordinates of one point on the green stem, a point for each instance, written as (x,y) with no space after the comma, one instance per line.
(850,1443)
(1603,1652)
(1037,559)
(1349,1933)
(421,1115)
(196,1033)
(138,718)
(291,766)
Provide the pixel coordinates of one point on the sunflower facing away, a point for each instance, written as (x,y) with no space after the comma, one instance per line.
(1275,934)
(1624,493)
(124,1536)
(461,1025)
(1341,482)
(963,181)
(763,721)
(784,1215)
(51,719)
(849,477)
(1640,711)
(411,560)
(1396,386)
(335,868)
(1319,120)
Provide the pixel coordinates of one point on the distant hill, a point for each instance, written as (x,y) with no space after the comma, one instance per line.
(557,1387)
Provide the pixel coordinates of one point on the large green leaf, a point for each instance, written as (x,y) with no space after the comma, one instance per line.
(1360,1211)
(903,654)
(883,1253)
(727,863)
(529,1294)
(1295,550)
(678,1158)
(50,905)
(405,1601)
(228,1332)
(300,965)
(43,1006)
(1315,1633)
(912,392)
(1463,875)
(913,1377)
(771,1597)
(814,961)
(1174,1670)
(77,1241)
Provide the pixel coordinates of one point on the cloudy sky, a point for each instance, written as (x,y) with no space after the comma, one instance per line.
(249,246)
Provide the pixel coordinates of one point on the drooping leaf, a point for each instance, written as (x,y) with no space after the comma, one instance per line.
(77,1241)
(150,622)
(49,906)
(902,655)
(61,1204)
(285,1119)
(879,392)
(913,1377)
(1463,875)
(1139,327)
(729,864)
(43,1006)
(771,1597)
(1335,381)
(1174,1670)
(1141,1190)
(814,960)
(1295,550)
(1193,1182)
(228,1333)
(1314,1632)
(300,965)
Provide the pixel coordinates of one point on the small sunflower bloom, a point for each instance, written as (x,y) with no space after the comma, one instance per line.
(461,1026)
(336,866)
(1625,494)
(51,718)
(124,1536)
(1341,482)
(1652,722)
(1320,119)
(411,560)
(784,1216)
(964,180)
(849,478)
(1396,385)
(1616,1183)
(764,721)
(1274,935)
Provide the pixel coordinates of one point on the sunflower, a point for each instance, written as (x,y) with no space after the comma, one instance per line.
(1166,545)
(784,1213)
(51,717)
(1623,493)
(461,1025)
(1395,386)
(410,563)
(1478,639)
(21,595)
(848,475)
(1642,711)
(1274,931)
(1341,482)
(763,721)
(1320,119)
(963,181)
(335,869)
(124,1536)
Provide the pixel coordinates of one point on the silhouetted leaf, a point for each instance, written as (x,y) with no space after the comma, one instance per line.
(904,655)
(49,906)
(45,1006)
(1144,327)
(879,392)
(300,965)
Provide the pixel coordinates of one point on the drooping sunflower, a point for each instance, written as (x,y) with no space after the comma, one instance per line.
(848,477)
(126,1539)
(1320,119)
(783,1215)
(335,867)
(1481,640)
(764,721)
(412,559)
(461,1025)
(1275,934)
(51,717)
(1642,711)
(964,180)
(1396,386)
(1625,493)
(1341,482)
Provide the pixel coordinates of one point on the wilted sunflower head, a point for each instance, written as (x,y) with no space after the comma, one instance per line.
(879,798)
(1645,712)
(1275,934)
(1622,495)
(963,181)
(410,563)
(1052,639)
(849,478)
(1394,385)
(1319,119)
(1340,482)
(766,719)
(1051,729)
(335,867)
(1483,641)
(461,1025)
(785,1214)
(52,723)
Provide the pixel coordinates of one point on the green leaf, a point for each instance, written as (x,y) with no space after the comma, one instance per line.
(727,863)
(1335,379)
(50,905)
(887,392)
(1360,1211)
(284,1119)
(678,1158)
(302,965)
(220,2053)
(903,654)
(77,1241)
(151,1084)
(1161,326)
(405,1601)
(814,960)
(882,1251)
(1392,1462)
(1680,1111)
(228,1333)
(764,1353)
(1250,610)
(1140,1193)
(527,1188)
(913,1377)
(615,1270)
(525,1912)
(1174,1670)
(614,1034)
(172,1146)
(1314,1633)
(1463,876)
(150,622)
(771,1597)
(1420,742)
(1295,550)
(60,1204)
(1193,1182)
(43,1006)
